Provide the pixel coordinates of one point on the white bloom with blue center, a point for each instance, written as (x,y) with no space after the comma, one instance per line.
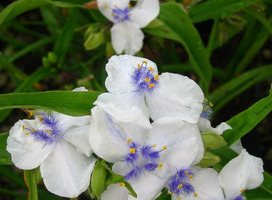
(245,172)
(126,34)
(57,143)
(134,81)
(146,155)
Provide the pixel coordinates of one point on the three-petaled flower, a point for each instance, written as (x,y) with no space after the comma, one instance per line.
(126,34)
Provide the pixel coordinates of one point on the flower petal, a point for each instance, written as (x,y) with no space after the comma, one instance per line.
(127,36)
(241,173)
(120,71)
(177,96)
(26,153)
(106,6)
(205,125)
(78,136)
(66,172)
(115,192)
(177,140)
(145,11)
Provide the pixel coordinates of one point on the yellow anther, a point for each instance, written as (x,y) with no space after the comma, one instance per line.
(115,5)
(128,141)
(211,104)
(34,130)
(27,133)
(179,186)
(139,66)
(243,190)
(186,172)
(129,5)
(156,77)
(30,112)
(122,184)
(106,6)
(179,198)
(147,80)
(132,150)
(160,166)
(154,145)
(164,147)
(151,85)
(145,62)
(191,176)
(48,131)
(150,68)
(41,119)
(195,194)
(113,14)
(23,127)
(170,192)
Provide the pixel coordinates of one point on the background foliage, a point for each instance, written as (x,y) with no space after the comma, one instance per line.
(224,45)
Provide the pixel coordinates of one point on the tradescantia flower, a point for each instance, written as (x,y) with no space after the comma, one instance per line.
(57,143)
(134,81)
(242,173)
(146,155)
(126,34)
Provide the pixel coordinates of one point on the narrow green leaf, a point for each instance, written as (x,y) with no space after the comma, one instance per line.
(5,158)
(217,8)
(164,195)
(98,180)
(174,17)
(212,140)
(236,86)
(67,102)
(13,176)
(245,121)
(30,180)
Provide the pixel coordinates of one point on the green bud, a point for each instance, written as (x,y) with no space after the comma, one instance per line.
(52,57)
(98,180)
(209,159)
(94,40)
(46,62)
(212,140)
(109,50)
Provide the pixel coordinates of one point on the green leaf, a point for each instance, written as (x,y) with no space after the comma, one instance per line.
(67,102)
(98,180)
(178,26)
(5,158)
(217,8)
(212,140)
(236,86)
(209,159)
(245,121)
(30,180)
(164,195)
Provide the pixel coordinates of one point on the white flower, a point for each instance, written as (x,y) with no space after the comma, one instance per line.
(147,156)
(242,173)
(57,143)
(134,81)
(126,32)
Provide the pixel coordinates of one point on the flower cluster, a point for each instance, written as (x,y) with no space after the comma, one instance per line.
(148,126)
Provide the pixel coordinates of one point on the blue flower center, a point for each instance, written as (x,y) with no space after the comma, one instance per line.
(239,198)
(121,15)
(144,78)
(48,131)
(180,183)
(142,158)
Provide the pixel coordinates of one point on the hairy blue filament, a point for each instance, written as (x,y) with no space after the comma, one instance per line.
(121,15)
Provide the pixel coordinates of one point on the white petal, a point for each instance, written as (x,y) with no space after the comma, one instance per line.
(106,6)
(66,172)
(26,153)
(237,146)
(145,11)
(127,36)
(80,89)
(206,186)
(148,186)
(115,192)
(241,173)
(117,105)
(120,71)
(78,136)
(176,96)
(200,149)
(205,125)
(179,137)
